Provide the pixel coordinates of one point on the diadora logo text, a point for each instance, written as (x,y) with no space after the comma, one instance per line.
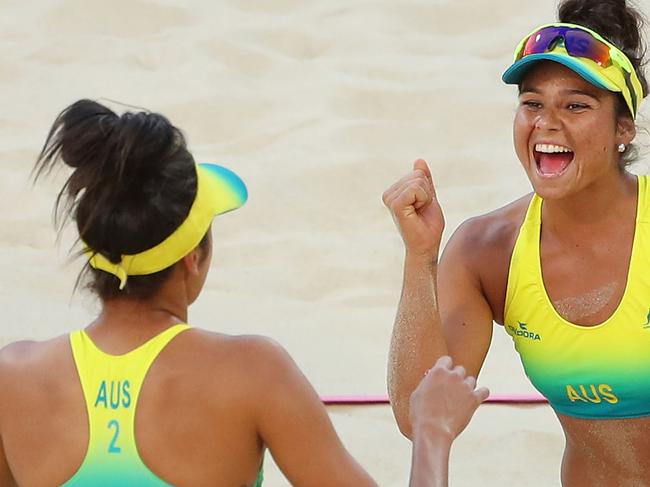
(522,331)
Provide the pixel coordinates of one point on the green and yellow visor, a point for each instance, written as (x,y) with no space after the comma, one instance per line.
(584,51)
(219,190)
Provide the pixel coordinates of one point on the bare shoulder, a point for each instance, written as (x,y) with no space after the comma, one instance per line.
(247,372)
(481,249)
(30,362)
(261,352)
(15,353)
(252,355)
(491,231)
(27,356)
(249,346)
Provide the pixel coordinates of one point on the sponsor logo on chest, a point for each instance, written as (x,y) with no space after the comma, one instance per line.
(522,331)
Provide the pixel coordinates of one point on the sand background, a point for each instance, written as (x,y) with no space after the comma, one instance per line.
(319,105)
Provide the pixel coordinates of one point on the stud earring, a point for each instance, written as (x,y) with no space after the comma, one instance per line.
(621,148)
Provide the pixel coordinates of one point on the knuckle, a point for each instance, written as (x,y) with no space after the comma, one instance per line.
(459,372)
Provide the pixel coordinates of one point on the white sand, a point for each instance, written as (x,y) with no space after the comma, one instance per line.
(319,105)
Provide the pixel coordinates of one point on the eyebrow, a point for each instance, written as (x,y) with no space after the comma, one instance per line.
(529,90)
(590,94)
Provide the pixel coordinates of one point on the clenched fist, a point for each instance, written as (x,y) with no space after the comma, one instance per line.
(415,209)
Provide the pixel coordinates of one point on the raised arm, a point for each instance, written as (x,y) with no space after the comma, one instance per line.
(425,329)
(440,409)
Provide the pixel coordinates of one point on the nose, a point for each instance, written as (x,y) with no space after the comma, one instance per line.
(548,119)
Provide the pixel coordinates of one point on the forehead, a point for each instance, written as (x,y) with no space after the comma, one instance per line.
(549,74)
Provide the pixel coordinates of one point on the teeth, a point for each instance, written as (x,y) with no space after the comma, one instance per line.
(551,149)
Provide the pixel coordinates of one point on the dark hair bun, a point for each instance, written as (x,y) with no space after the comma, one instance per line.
(86,123)
(617,21)
(134,181)
(103,145)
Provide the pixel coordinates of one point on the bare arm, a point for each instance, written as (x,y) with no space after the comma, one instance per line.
(417,339)
(297,430)
(430,461)
(461,324)
(441,407)
(465,314)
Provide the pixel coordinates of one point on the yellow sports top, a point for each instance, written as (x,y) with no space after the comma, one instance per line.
(600,371)
(111,387)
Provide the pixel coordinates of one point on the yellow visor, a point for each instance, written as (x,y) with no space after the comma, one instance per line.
(219,191)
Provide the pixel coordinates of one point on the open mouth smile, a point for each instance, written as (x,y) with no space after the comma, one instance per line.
(552,160)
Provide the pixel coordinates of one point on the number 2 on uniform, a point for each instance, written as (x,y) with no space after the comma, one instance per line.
(112,447)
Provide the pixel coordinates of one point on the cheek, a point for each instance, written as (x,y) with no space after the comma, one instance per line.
(595,136)
(522,128)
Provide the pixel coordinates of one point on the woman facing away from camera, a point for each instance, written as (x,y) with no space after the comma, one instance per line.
(138,398)
(565,269)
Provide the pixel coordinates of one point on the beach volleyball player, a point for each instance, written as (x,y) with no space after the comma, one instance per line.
(564,270)
(138,398)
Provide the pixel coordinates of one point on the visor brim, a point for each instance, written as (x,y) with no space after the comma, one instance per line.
(515,73)
(226,191)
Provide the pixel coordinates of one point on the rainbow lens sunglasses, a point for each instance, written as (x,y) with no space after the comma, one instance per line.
(578,42)
(611,68)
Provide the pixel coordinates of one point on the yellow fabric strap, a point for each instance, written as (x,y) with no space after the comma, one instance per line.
(180,243)
(218,190)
